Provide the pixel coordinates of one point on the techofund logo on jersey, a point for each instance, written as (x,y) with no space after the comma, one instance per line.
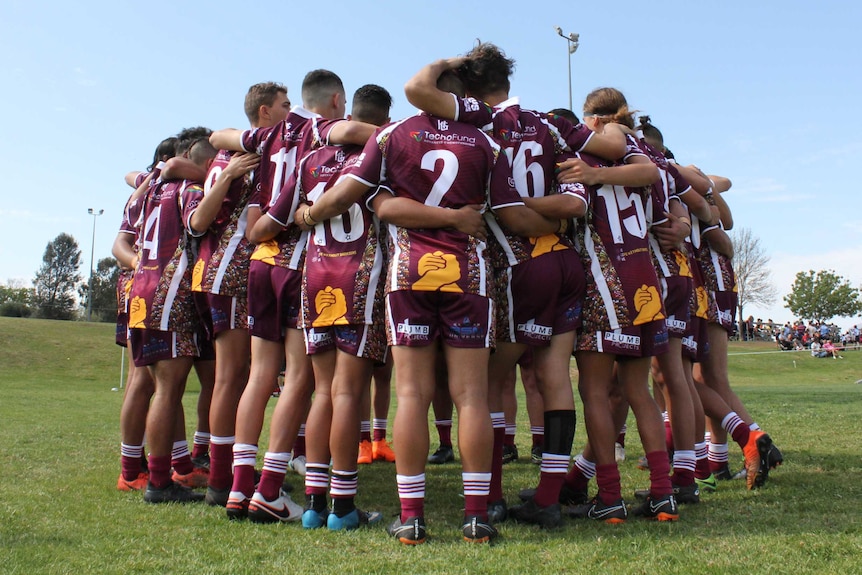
(426,136)
(323,170)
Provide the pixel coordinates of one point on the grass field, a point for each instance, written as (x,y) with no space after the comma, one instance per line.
(60,511)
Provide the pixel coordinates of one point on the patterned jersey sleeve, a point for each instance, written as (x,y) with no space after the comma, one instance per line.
(253,140)
(679,185)
(369,168)
(575,136)
(285,205)
(190,198)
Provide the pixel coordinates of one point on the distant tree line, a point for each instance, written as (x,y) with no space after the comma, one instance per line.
(57,283)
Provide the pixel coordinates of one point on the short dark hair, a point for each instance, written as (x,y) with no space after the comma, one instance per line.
(166,150)
(188,136)
(201,150)
(371,104)
(262,94)
(450,81)
(567,114)
(320,85)
(486,70)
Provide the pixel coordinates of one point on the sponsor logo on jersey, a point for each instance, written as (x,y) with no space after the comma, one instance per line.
(323,170)
(689,343)
(471,104)
(724,317)
(415,331)
(426,136)
(442,125)
(467,329)
(532,328)
(621,339)
(319,338)
(676,324)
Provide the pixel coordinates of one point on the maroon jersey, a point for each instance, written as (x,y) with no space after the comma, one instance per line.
(224,252)
(439,163)
(622,287)
(344,259)
(534,143)
(161,297)
(279,148)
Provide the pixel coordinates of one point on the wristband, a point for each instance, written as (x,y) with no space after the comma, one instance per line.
(564,225)
(306,217)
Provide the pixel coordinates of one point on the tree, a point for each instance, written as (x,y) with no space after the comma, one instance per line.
(821,296)
(55,282)
(105,278)
(753,276)
(15,299)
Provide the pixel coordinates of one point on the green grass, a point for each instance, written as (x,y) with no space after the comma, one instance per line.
(60,511)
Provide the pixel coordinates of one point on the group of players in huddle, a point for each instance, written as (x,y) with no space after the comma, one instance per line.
(320,245)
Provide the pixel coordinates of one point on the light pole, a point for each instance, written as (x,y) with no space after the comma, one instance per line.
(572,43)
(95,214)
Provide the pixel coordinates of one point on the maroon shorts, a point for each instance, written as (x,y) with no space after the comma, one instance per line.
(273,300)
(726,302)
(644,340)
(676,292)
(365,341)
(122,335)
(695,343)
(151,345)
(222,312)
(419,318)
(540,298)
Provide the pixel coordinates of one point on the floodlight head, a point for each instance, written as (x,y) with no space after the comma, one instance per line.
(574,37)
(559,30)
(90,211)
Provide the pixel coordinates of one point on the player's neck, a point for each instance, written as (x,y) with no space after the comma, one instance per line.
(495,98)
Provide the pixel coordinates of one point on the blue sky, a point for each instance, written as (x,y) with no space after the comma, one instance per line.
(765,93)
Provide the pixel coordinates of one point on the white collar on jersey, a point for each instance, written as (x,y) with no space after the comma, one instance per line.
(513,101)
(300,111)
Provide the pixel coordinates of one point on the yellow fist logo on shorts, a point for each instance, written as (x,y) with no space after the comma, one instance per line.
(266,252)
(546,244)
(702,303)
(137,312)
(682,262)
(331,307)
(648,305)
(438,271)
(198,276)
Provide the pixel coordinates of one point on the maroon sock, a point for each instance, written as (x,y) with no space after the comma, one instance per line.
(682,477)
(741,434)
(160,471)
(365,436)
(243,479)
(621,439)
(221,459)
(701,469)
(548,491)
(299,446)
(445,433)
(608,479)
(476,505)
(538,439)
(131,467)
(668,436)
(576,479)
(496,492)
(413,507)
(183,465)
(379,434)
(270,484)
(659,473)
(508,439)
(200,450)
